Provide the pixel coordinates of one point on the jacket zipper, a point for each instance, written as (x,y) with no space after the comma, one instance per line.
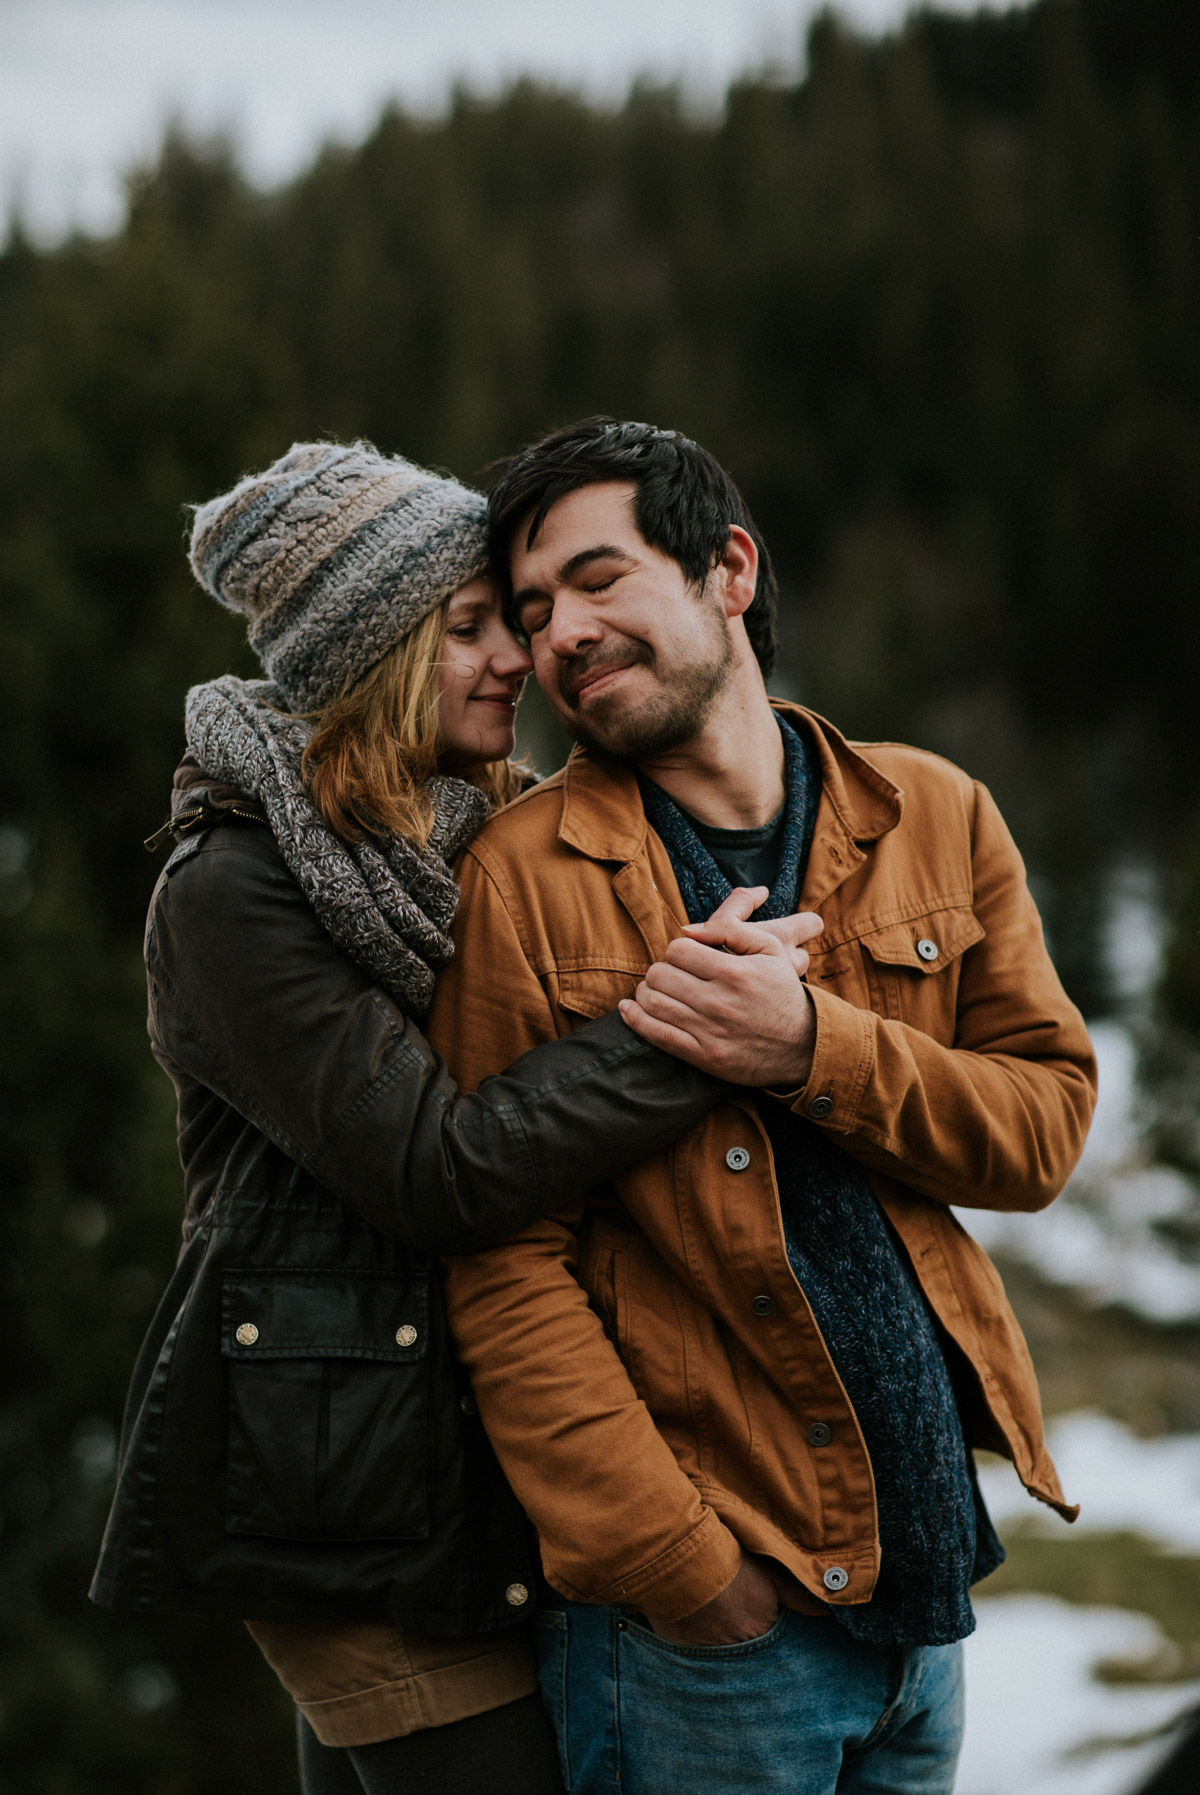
(180,824)
(170,827)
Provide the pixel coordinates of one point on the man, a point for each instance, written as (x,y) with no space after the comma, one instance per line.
(736,1393)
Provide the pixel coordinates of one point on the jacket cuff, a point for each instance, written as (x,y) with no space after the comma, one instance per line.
(691,1575)
(683,1579)
(843,1057)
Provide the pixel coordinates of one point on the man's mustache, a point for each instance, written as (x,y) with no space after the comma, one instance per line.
(580,668)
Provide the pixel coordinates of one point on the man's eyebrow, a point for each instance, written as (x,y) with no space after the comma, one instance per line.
(603,551)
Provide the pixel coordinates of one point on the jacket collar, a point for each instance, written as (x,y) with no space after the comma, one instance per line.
(865,801)
(602,811)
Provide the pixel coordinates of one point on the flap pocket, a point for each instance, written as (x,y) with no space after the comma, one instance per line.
(927,943)
(300,1314)
(592,991)
(327,1389)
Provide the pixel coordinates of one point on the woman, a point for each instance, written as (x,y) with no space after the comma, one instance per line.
(300,1449)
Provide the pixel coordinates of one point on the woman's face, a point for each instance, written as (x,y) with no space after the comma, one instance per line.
(483,668)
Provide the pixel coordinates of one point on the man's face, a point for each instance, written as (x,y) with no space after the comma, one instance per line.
(630,656)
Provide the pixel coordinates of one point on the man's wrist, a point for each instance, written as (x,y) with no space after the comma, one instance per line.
(791,1086)
(804,1064)
(661,1617)
(746,1609)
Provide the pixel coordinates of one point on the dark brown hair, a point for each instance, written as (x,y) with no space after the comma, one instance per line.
(685,504)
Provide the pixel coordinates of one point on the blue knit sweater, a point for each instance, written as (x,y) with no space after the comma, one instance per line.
(934,1531)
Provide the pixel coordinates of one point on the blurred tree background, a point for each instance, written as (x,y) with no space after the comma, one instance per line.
(935,305)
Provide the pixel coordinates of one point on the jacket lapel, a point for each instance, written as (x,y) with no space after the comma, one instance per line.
(858,805)
(602,817)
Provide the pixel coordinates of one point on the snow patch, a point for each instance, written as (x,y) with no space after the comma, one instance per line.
(1122,1483)
(1099,1237)
(1038,1723)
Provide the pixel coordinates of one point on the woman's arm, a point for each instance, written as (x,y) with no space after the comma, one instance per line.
(249,996)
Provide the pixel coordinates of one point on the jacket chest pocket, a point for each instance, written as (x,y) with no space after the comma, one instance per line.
(327,1384)
(912,968)
(586,992)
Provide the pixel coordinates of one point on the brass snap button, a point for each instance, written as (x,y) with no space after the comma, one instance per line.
(820,1107)
(835,1578)
(247,1334)
(763,1305)
(516,1595)
(737,1159)
(820,1433)
(406,1336)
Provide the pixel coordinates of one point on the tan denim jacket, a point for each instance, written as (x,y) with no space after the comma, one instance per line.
(647,1365)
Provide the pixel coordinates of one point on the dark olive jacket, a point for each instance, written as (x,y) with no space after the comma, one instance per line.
(299,1442)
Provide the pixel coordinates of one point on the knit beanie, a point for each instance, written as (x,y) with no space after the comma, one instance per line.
(335,553)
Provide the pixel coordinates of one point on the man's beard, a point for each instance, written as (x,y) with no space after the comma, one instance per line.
(661,723)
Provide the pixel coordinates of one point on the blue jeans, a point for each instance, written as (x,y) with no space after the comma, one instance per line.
(805,1710)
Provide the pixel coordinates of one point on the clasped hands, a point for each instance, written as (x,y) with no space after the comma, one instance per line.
(728,996)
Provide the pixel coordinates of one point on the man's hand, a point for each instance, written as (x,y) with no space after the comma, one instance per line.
(728,997)
(746,1609)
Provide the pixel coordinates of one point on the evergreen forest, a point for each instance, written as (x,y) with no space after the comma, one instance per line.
(935,304)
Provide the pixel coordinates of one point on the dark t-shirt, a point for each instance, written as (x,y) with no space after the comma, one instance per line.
(745,856)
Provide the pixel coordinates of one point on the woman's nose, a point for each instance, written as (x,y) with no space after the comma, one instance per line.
(512,660)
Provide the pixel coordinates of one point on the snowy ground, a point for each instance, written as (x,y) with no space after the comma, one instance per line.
(1038,1720)
(1099,1237)
(1123,1484)
(1038,1723)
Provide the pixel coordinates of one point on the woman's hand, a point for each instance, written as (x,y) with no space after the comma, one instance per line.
(728,998)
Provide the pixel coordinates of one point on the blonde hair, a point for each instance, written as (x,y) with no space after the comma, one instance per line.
(375,747)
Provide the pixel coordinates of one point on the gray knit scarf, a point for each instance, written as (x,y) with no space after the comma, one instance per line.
(388,906)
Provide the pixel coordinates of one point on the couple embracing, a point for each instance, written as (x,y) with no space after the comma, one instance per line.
(573,1361)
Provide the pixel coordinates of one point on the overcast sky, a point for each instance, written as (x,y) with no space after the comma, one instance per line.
(86,85)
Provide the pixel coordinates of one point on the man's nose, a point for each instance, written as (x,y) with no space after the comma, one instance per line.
(572,625)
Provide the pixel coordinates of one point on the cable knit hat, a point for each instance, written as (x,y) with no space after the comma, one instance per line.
(335,553)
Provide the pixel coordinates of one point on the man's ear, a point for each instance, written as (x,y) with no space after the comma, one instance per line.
(739,568)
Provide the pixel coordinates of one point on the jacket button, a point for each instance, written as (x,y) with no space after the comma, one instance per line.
(406,1336)
(820,1107)
(247,1334)
(516,1595)
(737,1159)
(763,1305)
(835,1577)
(927,949)
(820,1433)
